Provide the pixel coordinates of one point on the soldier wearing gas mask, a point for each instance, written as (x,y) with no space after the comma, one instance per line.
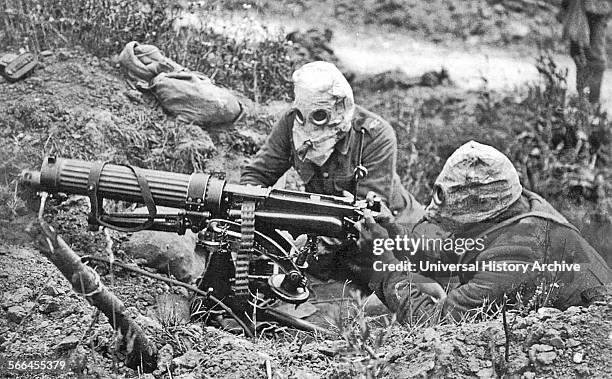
(525,245)
(325,137)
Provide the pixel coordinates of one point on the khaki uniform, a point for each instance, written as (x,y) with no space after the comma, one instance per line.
(529,239)
(379,157)
(339,260)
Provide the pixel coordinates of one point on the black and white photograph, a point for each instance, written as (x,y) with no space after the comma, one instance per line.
(303,189)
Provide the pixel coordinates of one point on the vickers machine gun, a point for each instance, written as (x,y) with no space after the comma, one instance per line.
(238,226)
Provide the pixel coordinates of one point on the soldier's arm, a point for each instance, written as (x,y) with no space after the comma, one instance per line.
(403,292)
(274,157)
(391,286)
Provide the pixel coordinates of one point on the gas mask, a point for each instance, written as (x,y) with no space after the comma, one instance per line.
(323,110)
(476,184)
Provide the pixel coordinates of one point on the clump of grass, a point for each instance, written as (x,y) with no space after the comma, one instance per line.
(172,310)
(418,161)
(100,25)
(362,344)
(11,205)
(565,137)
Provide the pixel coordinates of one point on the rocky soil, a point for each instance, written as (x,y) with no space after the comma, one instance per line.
(43,317)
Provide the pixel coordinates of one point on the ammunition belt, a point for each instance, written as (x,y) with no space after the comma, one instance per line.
(247,230)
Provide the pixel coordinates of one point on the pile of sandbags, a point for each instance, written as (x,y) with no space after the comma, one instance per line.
(190,96)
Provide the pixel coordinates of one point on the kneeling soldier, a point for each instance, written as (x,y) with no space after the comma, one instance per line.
(326,137)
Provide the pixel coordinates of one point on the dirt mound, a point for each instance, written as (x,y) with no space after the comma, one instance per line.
(548,343)
(511,23)
(314,45)
(77,105)
(40,316)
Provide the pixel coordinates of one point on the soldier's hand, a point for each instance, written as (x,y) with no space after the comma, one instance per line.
(433,289)
(581,58)
(385,216)
(348,196)
(371,227)
(369,230)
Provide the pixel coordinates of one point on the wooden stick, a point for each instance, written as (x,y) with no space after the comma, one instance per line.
(84,280)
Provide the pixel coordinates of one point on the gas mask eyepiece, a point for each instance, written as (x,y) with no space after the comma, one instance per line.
(438,196)
(320,117)
(299,117)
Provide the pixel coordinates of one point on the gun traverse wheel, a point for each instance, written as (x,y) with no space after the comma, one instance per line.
(272,273)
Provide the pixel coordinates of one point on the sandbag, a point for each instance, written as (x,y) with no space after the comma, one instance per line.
(144,62)
(192,97)
(576,25)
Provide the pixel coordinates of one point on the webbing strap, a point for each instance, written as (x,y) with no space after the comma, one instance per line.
(93,186)
(467,257)
(538,214)
(360,172)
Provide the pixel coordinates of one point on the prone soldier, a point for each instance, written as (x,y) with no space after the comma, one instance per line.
(478,196)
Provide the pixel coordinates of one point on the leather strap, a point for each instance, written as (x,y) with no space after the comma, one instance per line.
(469,256)
(360,172)
(97,210)
(544,215)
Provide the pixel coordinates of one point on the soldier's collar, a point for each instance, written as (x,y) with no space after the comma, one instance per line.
(344,144)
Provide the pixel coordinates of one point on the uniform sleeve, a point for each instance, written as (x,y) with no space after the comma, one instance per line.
(273,159)
(486,287)
(380,159)
(401,294)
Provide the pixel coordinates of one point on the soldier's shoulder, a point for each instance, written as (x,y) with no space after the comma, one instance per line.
(373,123)
(287,115)
(285,120)
(519,234)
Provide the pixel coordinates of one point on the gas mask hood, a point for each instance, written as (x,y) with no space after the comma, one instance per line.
(477,183)
(323,109)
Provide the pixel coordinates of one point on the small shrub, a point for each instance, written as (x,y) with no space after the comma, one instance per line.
(565,140)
